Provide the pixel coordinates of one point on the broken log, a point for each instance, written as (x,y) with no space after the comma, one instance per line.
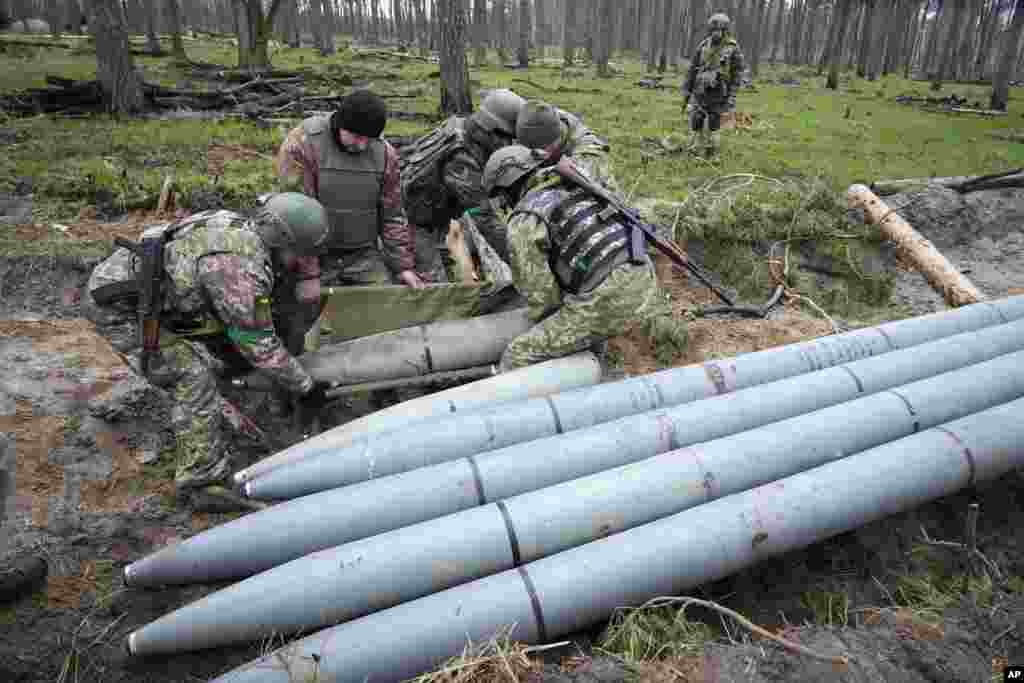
(166,201)
(945,279)
(458,249)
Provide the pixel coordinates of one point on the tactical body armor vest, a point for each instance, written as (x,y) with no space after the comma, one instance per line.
(712,78)
(424,195)
(350,186)
(585,239)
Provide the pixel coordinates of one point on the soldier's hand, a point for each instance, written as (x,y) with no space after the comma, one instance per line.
(309,405)
(411,279)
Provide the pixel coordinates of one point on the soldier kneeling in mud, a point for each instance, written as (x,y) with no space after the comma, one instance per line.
(205,289)
(570,257)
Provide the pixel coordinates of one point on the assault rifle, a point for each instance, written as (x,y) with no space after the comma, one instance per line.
(150,252)
(641,231)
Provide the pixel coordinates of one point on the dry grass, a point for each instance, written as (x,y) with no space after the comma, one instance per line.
(498,660)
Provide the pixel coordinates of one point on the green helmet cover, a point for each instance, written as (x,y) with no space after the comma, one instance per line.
(292,220)
(538,125)
(719,21)
(498,111)
(508,165)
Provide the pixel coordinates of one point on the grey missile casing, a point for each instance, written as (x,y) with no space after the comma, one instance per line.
(542,379)
(571,590)
(390,453)
(378,572)
(291,529)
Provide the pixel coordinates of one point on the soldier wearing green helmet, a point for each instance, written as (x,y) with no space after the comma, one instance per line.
(222,277)
(570,259)
(712,81)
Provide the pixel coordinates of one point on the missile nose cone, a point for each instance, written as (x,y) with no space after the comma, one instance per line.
(247,489)
(127,574)
(239,477)
(129,644)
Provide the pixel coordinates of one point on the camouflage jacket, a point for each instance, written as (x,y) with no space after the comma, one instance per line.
(586,147)
(715,71)
(216,266)
(298,166)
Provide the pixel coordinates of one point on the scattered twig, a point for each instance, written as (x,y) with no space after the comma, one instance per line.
(1002,633)
(991,566)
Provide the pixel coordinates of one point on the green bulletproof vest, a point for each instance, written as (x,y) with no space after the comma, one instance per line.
(350,187)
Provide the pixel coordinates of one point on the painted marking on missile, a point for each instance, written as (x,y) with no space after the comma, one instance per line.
(860,385)
(554,414)
(716,376)
(513,540)
(430,360)
(666,430)
(477,480)
(888,339)
(999,312)
(910,408)
(972,467)
(538,613)
(452,407)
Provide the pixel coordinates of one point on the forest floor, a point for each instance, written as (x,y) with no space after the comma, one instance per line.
(91,496)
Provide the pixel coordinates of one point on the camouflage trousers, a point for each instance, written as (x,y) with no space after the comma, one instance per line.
(429,264)
(627,297)
(203,421)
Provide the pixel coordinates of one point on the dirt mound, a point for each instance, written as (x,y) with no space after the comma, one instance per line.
(981,233)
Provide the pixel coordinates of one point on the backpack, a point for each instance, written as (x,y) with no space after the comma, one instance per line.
(424,194)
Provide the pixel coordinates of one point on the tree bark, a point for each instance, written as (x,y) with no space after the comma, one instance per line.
(327,28)
(455,95)
(757,17)
(843,11)
(654,20)
(174,19)
(525,30)
(501,28)
(568,31)
(480,32)
(254,29)
(604,37)
(542,32)
(879,31)
(867,38)
(1007,59)
(952,40)
(115,69)
(954,287)
(152,41)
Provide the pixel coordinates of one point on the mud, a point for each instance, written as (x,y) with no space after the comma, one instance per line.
(86,484)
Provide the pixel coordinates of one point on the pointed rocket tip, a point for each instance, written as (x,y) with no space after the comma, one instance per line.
(247,489)
(129,644)
(240,477)
(127,575)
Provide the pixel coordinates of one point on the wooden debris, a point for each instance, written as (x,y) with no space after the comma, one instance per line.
(455,240)
(954,287)
(166,201)
(962,184)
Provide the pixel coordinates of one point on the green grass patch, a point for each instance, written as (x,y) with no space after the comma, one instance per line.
(829,609)
(639,634)
(940,585)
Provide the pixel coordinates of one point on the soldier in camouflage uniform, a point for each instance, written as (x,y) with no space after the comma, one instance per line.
(559,133)
(569,258)
(712,81)
(341,161)
(222,274)
(441,176)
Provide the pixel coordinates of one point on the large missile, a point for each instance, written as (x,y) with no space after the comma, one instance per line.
(283,532)
(572,590)
(452,438)
(543,379)
(381,571)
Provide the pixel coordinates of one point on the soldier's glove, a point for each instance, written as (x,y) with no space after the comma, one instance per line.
(309,405)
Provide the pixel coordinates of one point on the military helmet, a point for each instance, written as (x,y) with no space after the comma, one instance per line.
(538,125)
(508,165)
(498,111)
(719,21)
(291,220)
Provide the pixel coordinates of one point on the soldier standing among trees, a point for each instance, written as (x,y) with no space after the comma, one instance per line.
(712,80)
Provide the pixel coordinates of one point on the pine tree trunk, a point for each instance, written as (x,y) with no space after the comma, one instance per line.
(542,31)
(605,32)
(653,22)
(115,69)
(455,95)
(327,15)
(152,41)
(501,29)
(757,17)
(867,38)
(843,11)
(177,44)
(525,29)
(1007,59)
(480,32)
(568,31)
(951,44)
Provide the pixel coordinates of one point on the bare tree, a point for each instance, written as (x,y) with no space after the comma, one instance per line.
(1007,59)
(604,33)
(480,32)
(654,20)
(115,68)
(174,19)
(542,30)
(525,29)
(501,28)
(568,31)
(455,95)
(843,10)
(254,29)
(152,41)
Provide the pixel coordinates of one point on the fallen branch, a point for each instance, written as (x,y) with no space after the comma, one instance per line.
(962,184)
(837,660)
(973,553)
(954,287)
